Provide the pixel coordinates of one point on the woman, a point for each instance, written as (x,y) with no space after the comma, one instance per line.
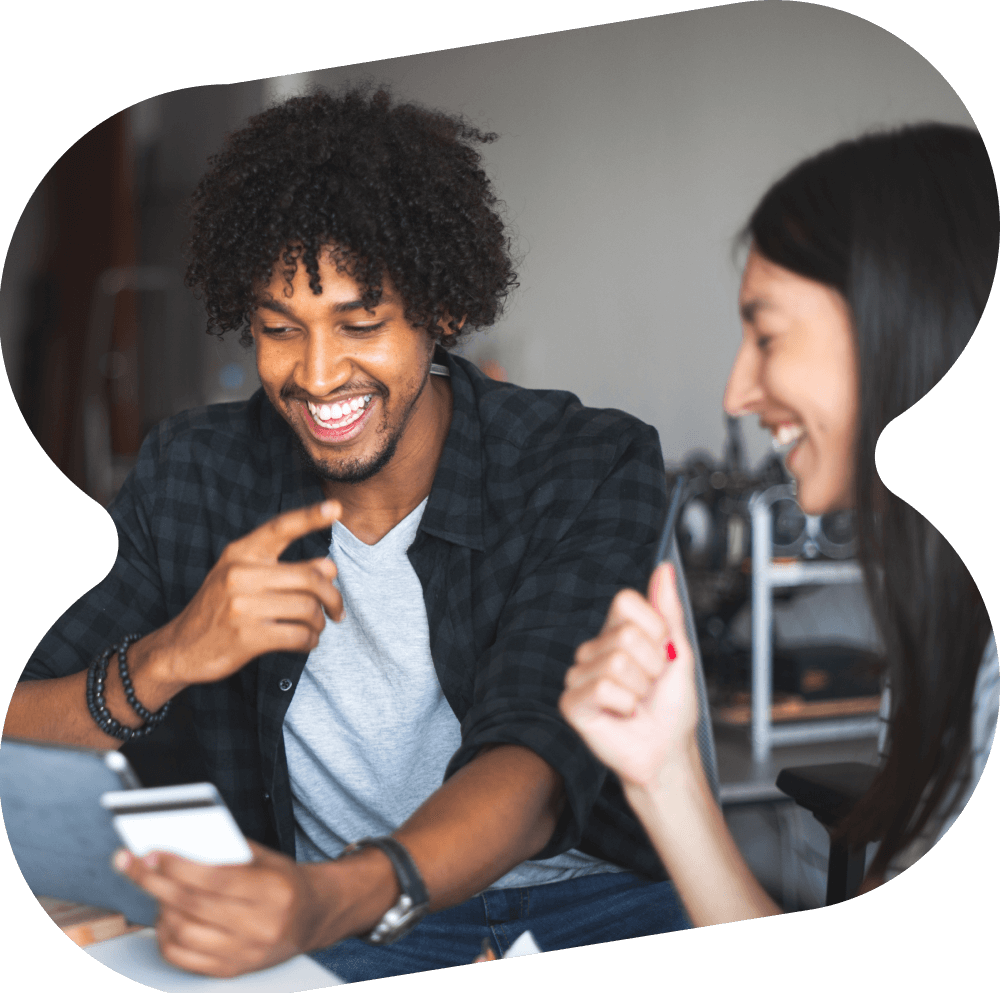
(869,267)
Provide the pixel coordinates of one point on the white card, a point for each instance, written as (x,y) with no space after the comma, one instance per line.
(524,945)
(189,820)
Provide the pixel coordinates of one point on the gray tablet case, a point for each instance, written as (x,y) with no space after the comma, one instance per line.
(61,837)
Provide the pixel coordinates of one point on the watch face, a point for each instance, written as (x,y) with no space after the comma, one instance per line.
(398,920)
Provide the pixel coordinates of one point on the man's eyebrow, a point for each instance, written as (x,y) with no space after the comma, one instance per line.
(274,305)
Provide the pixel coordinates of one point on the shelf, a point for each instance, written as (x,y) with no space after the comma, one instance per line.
(770,574)
(796,708)
(800,573)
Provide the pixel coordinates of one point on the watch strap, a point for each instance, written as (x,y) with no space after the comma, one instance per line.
(414,900)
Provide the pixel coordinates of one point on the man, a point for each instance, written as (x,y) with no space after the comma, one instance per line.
(367,582)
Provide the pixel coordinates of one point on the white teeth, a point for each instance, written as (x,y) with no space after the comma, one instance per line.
(339,414)
(786,436)
(787,432)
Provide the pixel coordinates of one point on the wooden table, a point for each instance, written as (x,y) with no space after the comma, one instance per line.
(85,924)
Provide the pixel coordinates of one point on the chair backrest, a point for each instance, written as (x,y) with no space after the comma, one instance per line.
(706,740)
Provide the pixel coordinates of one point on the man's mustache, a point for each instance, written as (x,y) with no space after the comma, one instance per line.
(292,391)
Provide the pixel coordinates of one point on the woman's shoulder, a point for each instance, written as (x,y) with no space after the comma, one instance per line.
(985,709)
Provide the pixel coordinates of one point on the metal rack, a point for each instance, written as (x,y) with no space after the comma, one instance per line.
(768,575)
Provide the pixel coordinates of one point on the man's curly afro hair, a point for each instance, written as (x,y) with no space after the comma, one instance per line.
(395,189)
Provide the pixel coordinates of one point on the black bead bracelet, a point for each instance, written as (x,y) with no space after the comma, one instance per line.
(96,676)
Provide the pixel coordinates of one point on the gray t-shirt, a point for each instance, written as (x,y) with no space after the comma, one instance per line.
(369,733)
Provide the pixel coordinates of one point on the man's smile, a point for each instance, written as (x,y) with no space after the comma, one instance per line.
(333,423)
(338,414)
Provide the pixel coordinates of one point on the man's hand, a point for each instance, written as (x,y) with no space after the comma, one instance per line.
(250,603)
(226,920)
(631,692)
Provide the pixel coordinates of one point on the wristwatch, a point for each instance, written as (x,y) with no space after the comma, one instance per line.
(413,902)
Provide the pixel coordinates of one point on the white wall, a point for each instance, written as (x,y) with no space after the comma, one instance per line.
(630,155)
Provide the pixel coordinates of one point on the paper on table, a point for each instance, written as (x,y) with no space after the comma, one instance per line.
(137,957)
(524,945)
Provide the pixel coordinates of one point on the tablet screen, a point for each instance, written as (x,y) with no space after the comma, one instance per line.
(61,837)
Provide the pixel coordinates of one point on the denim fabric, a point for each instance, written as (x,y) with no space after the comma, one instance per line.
(586,910)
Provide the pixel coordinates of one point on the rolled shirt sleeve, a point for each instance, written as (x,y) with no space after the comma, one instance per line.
(588,537)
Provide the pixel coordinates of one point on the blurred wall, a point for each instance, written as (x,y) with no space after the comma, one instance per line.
(630,156)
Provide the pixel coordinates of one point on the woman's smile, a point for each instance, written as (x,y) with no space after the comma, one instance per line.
(797,370)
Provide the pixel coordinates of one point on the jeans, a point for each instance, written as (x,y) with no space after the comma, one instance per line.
(577,911)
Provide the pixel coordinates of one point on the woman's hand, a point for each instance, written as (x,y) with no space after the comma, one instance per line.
(632,696)
(631,692)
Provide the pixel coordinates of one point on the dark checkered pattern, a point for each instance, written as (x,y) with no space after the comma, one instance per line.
(541,510)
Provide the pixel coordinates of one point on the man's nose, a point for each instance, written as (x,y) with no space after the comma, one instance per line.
(325,367)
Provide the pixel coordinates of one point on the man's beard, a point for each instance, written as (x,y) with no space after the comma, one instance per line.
(358,470)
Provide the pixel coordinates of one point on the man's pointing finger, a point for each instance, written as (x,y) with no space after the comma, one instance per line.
(272,538)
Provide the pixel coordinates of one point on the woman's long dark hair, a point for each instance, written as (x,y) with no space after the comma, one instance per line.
(905,225)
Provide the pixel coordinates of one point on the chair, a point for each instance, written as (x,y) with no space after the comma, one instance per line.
(829,792)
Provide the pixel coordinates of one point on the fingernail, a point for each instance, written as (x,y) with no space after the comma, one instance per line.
(121,860)
(671,651)
(329,509)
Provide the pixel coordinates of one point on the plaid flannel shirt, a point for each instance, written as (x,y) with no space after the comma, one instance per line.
(540,511)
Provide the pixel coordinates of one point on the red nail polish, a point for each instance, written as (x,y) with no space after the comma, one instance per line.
(671,651)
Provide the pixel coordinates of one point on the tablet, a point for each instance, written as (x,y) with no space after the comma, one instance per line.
(61,837)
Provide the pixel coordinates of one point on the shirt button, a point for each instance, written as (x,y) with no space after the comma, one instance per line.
(267,796)
(285,684)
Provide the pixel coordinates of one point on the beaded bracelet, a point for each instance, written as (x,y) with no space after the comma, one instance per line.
(96,676)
